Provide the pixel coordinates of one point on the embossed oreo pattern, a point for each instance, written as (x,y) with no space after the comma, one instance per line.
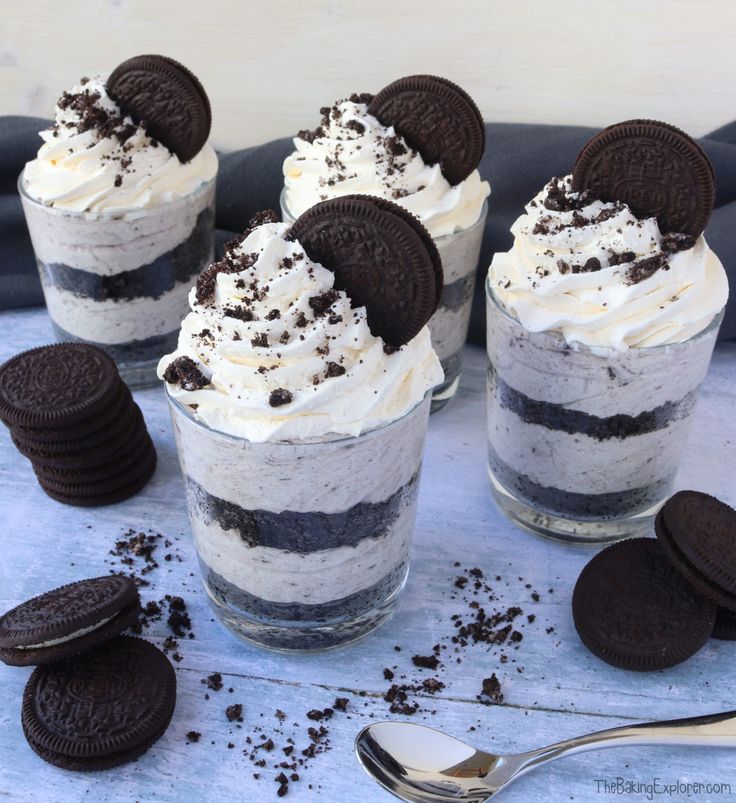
(655,168)
(56,385)
(167,99)
(436,118)
(111,699)
(706,535)
(634,610)
(378,259)
(65,610)
(685,519)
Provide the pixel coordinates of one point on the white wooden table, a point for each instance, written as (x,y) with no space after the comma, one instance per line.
(562,691)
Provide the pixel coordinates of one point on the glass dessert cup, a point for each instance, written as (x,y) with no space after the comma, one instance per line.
(303,546)
(122,282)
(583,443)
(448,326)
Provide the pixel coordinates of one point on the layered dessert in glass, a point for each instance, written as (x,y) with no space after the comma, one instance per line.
(300,436)
(354,152)
(600,331)
(121,227)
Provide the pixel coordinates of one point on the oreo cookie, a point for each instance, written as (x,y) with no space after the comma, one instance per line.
(128,459)
(382,257)
(166,99)
(635,611)
(26,439)
(698,534)
(122,486)
(68,620)
(48,457)
(56,386)
(91,431)
(725,628)
(653,167)
(73,417)
(100,709)
(437,118)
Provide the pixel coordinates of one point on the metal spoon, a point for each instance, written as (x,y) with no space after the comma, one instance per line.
(422,765)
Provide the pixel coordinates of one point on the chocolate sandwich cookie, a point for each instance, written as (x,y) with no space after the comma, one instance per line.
(27,439)
(698,534)
(725,628)
(654,168)
(108,492)
(56,386)
(68,620)
(381,257)
(80,458)
(90,431)
(100,709)
(107,472)
(167,99)
(634,610)
(437,118)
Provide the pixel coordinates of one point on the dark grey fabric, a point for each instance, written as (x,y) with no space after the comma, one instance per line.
(519,160)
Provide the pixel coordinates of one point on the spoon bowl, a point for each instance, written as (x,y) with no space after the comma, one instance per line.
(422,765)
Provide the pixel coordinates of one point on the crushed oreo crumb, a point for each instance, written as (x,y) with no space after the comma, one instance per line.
(186,373)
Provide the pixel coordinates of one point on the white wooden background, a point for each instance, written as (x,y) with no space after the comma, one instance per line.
(269,66)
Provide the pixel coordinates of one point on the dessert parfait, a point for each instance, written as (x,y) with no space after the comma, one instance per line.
(418,143)
(601,322)
(120,207)
(300,393)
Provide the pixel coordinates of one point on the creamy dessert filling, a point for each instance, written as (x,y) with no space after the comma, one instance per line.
(289,415)
(276,353)
(345,607)
(588,312)
(603,278)
(95,158)
(352,152)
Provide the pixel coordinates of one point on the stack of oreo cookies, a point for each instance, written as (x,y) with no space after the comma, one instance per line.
(72,416)
(96,699)
(649,603)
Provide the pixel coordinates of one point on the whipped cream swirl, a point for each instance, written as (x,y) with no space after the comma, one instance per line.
(351,152)
(601,277)
(272,352)
(96,159)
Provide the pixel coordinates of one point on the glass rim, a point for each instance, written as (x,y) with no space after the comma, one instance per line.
(122,216)
(442,238)
(188,413)
(714,323)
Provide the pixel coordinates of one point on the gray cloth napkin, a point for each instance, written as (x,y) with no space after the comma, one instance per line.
(519,160)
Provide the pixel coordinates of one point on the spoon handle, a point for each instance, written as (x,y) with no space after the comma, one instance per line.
(712,730)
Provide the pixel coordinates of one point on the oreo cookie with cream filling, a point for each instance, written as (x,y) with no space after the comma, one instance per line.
(68,620)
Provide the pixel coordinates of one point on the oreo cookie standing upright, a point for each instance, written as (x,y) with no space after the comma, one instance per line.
(437,118)
(381,256)
(698,533)
(167,99)
(655,168)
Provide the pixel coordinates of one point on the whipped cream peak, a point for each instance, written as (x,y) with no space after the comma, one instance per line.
(602,277)
(351,152)
(272,351)
(95,158)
